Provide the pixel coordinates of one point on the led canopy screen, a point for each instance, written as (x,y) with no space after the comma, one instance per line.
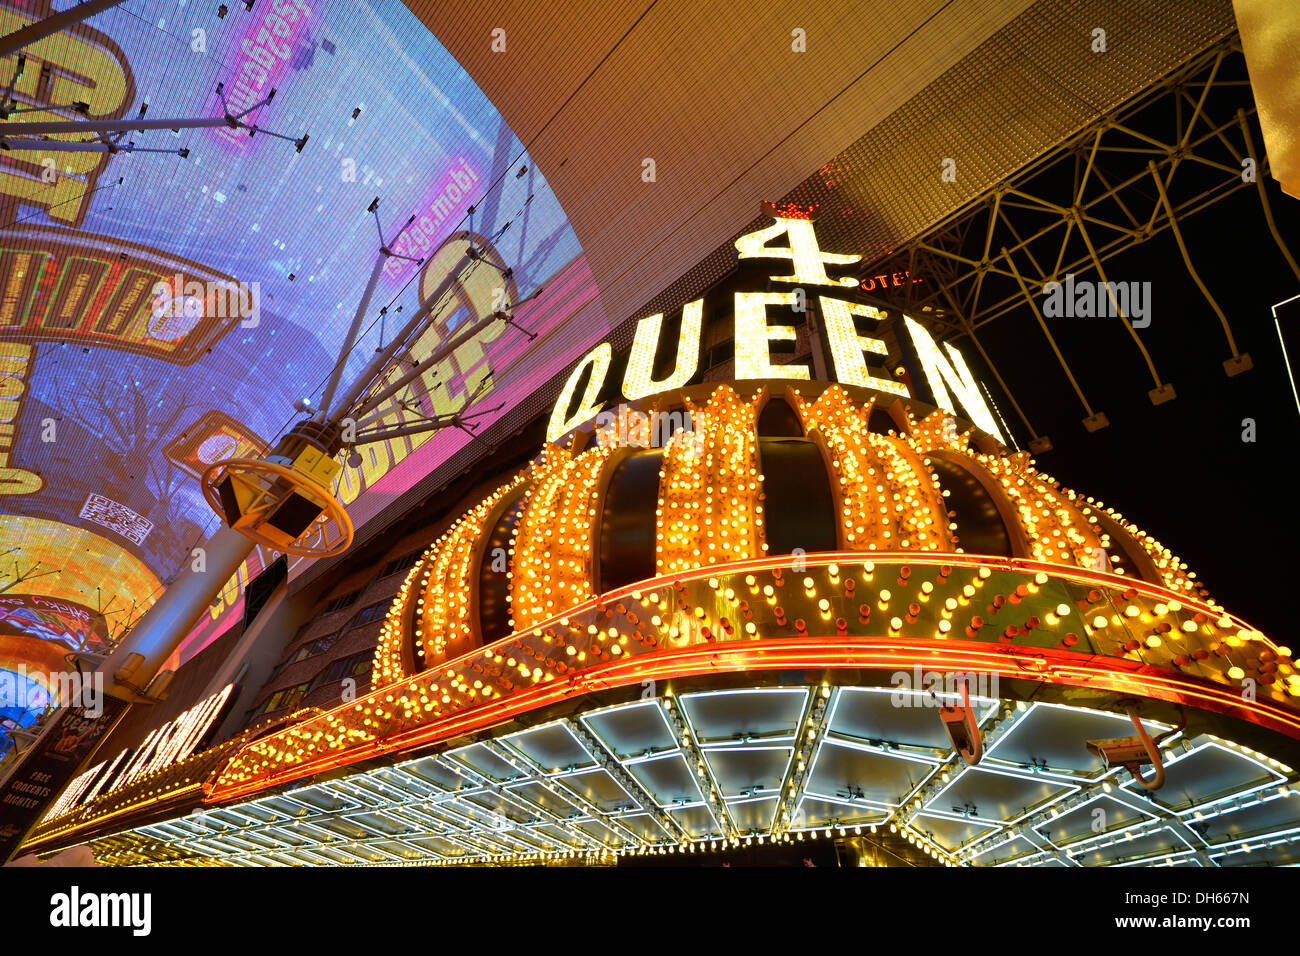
(160,312)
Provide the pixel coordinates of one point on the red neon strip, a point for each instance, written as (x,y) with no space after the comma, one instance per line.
(1044,665)
(822,559)
(849,558)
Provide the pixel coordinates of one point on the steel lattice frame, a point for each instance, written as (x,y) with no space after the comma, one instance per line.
(1111,186)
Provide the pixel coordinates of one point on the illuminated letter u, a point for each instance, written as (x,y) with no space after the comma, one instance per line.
(638,381)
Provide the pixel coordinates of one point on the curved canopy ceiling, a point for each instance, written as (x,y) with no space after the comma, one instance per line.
(113,397)
(854,106)
(732,108)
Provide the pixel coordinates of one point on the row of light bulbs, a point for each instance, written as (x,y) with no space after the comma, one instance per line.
(710,507)
(552,560)
(481,679)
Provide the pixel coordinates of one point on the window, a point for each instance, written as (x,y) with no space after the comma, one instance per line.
(403,563)
(310,649)
(366,615)
(315,647)
(371,613)
(344,600)
(353,666)
(281,699)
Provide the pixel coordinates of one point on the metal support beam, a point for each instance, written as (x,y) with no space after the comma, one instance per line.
(684,734)
(1092,189)
(433,304)
(351,338)
(473,329)
(811,731)
(1196,277)
(1161,392)
(159,632)
(61,146)
(117,128)
(1263,194)
(67,127)
(1050,341)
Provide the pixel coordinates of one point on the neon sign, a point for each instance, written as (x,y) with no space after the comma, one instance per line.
(172,742)
(946,373)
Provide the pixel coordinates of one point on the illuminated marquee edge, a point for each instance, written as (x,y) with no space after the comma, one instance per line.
(817,649)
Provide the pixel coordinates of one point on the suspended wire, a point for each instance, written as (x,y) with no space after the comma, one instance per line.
(434,313)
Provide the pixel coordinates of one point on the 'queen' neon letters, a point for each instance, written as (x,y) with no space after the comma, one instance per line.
(947,375)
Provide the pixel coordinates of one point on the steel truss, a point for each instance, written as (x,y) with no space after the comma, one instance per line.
(1183,144)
